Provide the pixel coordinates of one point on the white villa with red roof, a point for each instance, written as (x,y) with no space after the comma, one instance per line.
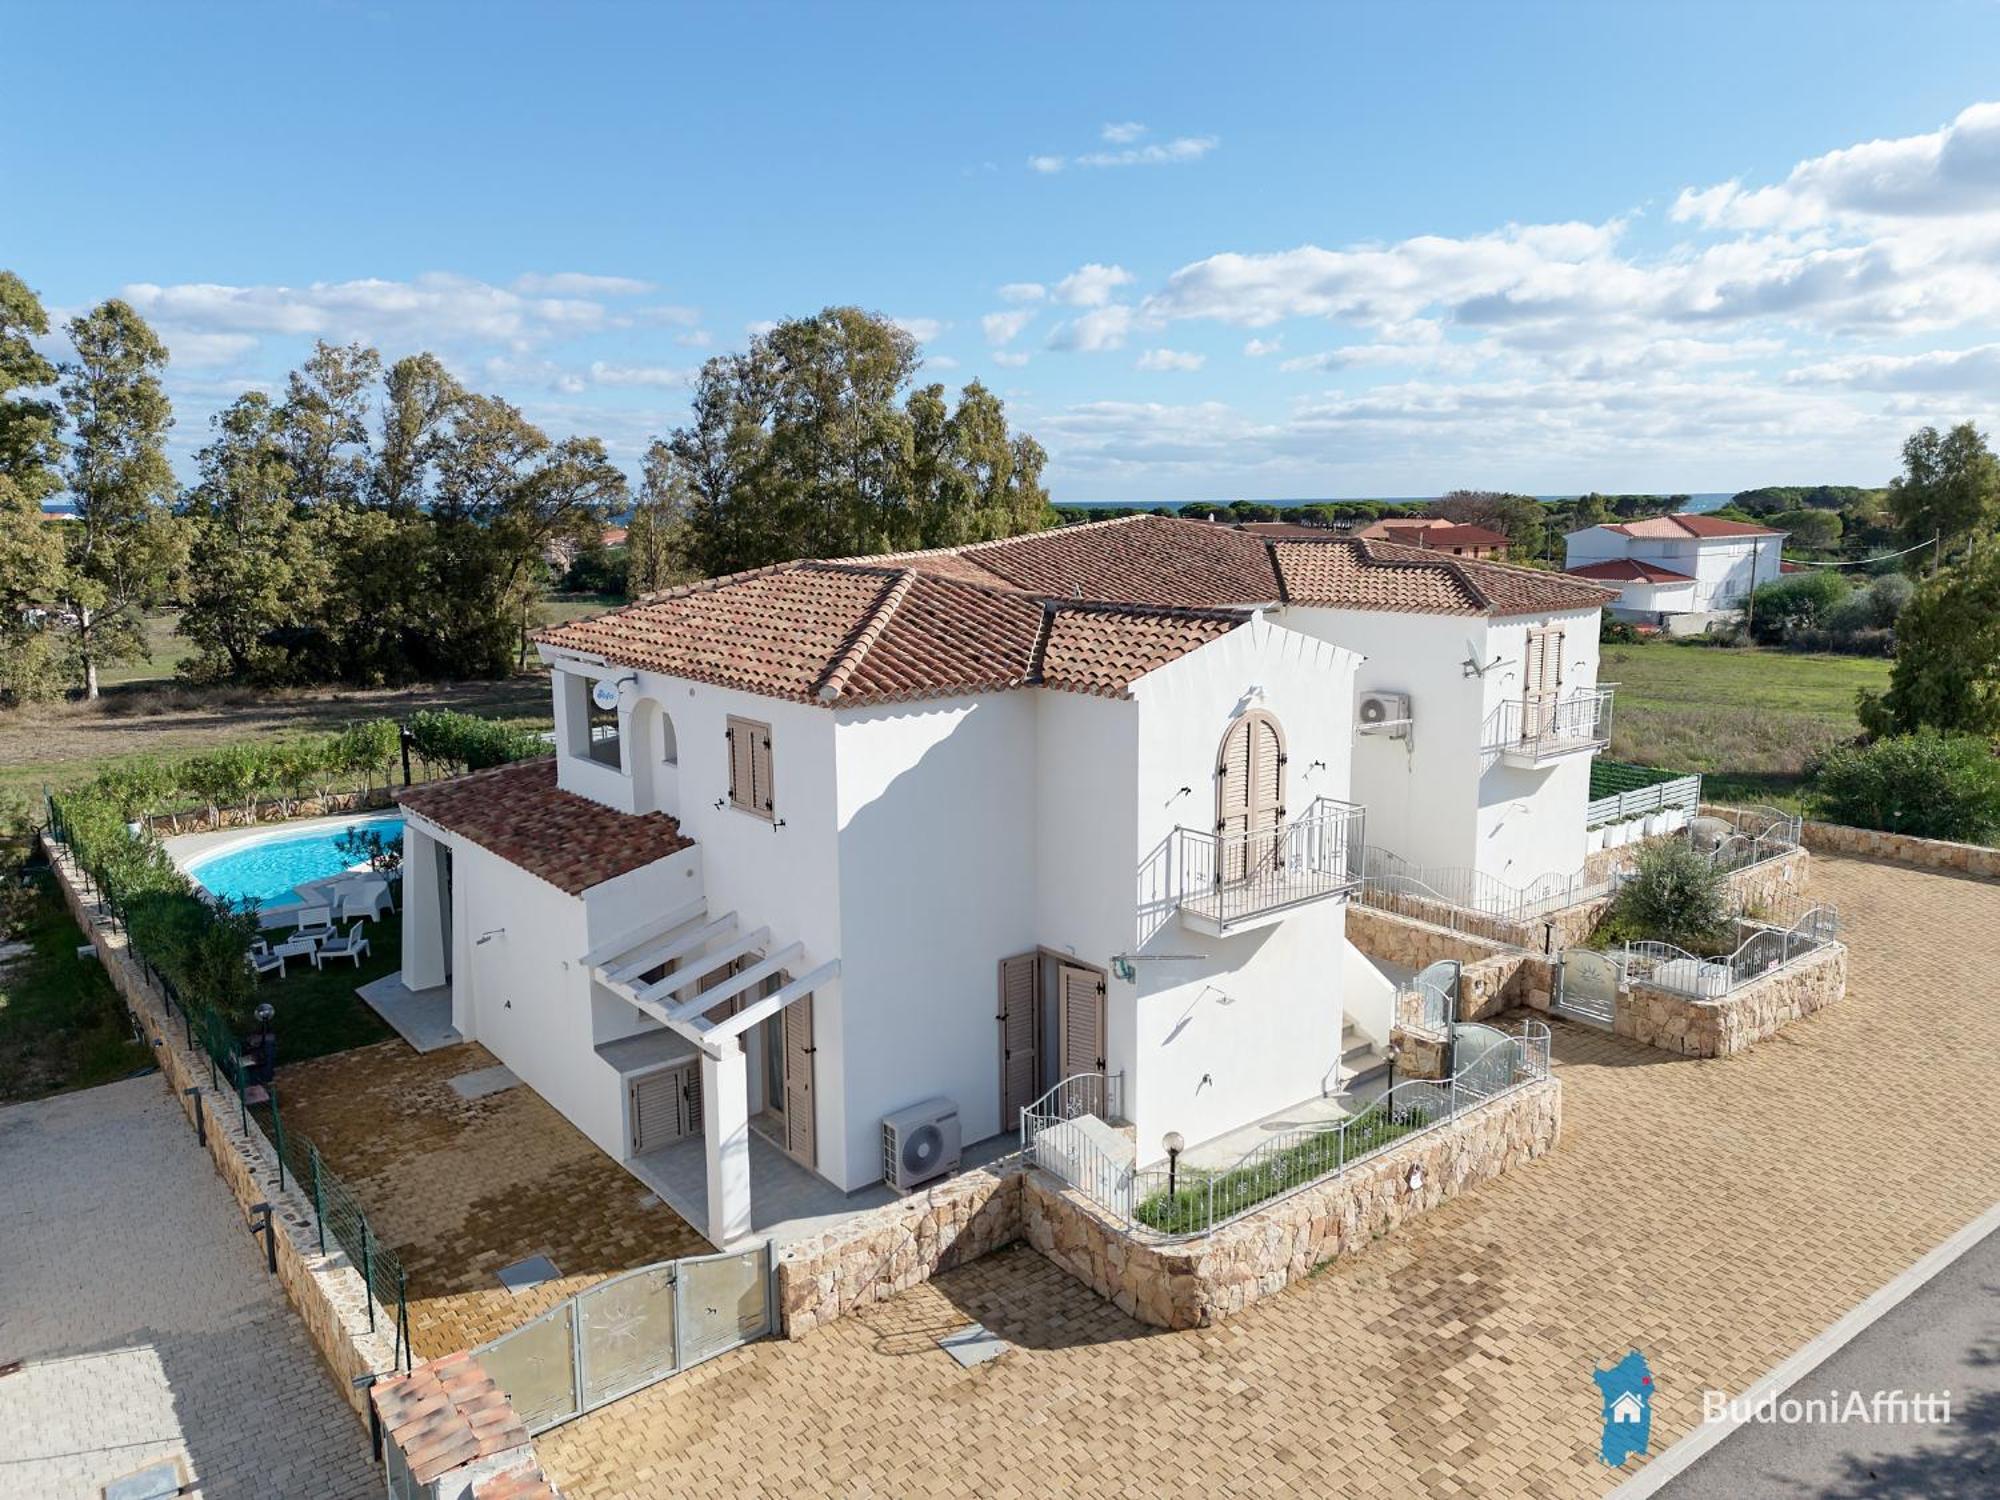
(829,839)
(1678,565)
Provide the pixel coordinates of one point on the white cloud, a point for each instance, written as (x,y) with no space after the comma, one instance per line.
(1045,163)
(923,330)
(1158,154)
(1123,133)
(580,284)
(1023,291)
(759,327)
(1097,330)
(695,338)
(1975,369)
(1259,348)
(602,373)
(1091,285)
(1004,327)
(1011,361)
(940,362)
(191,349)
(1170,359)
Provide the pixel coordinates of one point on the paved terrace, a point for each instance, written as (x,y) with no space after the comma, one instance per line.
(461,1187)
(1715,1215)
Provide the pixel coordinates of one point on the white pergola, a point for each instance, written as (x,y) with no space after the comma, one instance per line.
(691,943)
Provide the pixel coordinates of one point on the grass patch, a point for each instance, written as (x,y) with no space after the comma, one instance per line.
(1202,1200)
(1748,720)
(317,1009)
(62,1024)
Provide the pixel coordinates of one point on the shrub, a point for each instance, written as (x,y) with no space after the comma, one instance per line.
(463,742)
(1799,601)
(1674,895)
(1612,631)
(1927,784)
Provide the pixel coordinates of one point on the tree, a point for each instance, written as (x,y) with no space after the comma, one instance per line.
(420,398)
(1811,529)
(257,564)
(811,443)
(1927,784)
(326,422)
(1949,488)
(1675,894)
(656,538)
(126,542)
(1947,671)
(1522,519)
(31,547)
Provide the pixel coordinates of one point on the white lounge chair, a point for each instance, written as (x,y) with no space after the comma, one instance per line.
(364,898)
(263,961)
(350,945)
(315,922)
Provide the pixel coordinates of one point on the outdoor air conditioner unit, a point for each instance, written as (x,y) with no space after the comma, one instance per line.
(919,1142)
(1384,713)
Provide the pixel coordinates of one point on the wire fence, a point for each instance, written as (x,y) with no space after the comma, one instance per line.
(338,1217)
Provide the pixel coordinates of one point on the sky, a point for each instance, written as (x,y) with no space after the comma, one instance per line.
(1203,253)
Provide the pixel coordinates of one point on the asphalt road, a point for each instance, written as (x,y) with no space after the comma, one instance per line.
(1943,1337)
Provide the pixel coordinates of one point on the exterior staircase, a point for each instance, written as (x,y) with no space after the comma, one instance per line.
(1360,1061)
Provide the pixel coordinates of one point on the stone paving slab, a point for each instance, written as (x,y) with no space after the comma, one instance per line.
(149,1326)
(1713,1214)
(460,1187)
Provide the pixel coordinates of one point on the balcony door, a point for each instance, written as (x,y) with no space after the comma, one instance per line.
(1541,683)
(1249,797)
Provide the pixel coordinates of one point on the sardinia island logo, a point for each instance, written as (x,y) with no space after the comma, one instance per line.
(1627,1390)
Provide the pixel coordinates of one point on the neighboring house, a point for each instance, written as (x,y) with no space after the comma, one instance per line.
(825,840)
(1679,565)
(1437,535)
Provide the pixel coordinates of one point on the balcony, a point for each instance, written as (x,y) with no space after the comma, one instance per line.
(1247,880)
(1538,731)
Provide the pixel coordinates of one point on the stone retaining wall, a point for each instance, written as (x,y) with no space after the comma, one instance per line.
(1721,1028)
(327,1290)
(1493,976)
(888,1250)
(1904,849)
(1199,1281)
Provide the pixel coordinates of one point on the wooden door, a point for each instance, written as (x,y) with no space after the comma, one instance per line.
(1249,797)
(1019,1052)
(800,1139)
(1080,1018)
(1541,682)
(666,1107)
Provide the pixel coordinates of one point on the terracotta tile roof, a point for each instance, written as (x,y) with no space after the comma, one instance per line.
(521,1484)
(1680,526)
(1087,608)
(1630,570)
(1443,535)
(518,813)
(445,1413)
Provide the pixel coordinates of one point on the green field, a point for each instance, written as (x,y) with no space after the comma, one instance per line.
(1748,720)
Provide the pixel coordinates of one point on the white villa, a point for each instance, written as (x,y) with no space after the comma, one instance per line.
(830,840)
(1686,566)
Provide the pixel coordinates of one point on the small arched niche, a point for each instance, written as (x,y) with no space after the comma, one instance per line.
(655,758)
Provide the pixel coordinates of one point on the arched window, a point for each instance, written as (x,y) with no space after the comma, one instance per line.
(670,750)
(1249,795)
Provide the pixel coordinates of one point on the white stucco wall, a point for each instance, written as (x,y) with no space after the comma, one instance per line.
(1722,567)
(1530,822)
(937,870)
(1241,1026)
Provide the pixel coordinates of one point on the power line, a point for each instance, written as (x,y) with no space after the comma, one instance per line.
(1861,562)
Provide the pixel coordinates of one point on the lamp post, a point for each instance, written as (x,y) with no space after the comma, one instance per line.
(1395,1051)
(1175,1144)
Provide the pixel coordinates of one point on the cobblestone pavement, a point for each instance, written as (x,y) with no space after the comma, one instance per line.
(460,1188)
(1714,1214)
(149,1326)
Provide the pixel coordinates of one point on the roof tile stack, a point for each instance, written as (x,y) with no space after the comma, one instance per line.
(446,1413)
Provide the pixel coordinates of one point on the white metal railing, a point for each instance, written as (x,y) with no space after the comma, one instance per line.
(1767,949)
(1745,836)
(1392,883)
(1072,1154)
(1435,988)
(1547,726)
(1080,1094)
(1683,792)
(1233,878)
(1169,1202)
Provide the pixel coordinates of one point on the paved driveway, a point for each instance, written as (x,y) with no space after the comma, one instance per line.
(1715,1215)
(149,1326)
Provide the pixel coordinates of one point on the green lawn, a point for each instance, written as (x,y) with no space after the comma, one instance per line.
(1748,720)
(62,1025)
(317,1009)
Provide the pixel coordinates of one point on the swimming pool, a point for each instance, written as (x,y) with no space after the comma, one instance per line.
(272,868)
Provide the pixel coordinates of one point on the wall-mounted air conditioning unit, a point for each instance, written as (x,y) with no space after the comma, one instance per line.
(1384,713)
(919,1142)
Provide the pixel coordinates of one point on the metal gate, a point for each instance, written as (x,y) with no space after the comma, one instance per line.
(626,1333)
(1587,984)
(1437,988)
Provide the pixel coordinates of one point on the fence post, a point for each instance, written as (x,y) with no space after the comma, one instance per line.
(403,1316)
(319,1196)
(367,1273)
(278,1130)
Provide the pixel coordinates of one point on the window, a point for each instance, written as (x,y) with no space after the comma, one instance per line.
(603,727)
(750,766)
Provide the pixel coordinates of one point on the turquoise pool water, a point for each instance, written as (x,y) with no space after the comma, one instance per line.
(273,868)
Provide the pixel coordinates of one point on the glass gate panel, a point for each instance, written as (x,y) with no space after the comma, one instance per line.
(536,1366)
(627,1329)
(725,1300)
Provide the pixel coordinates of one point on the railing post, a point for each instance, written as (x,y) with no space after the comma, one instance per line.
(368,1273)
(319,1195)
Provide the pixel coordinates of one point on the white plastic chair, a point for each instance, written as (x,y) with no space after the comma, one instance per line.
(263,961)
(367,898)
(349,945)
(314,922)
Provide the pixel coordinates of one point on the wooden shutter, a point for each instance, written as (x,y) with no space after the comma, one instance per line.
(1249,795)
(1541,681)
(691,1099)
(660,1113)
(1019,1068)
(750,765)
(799,1134)
(1080,1006)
